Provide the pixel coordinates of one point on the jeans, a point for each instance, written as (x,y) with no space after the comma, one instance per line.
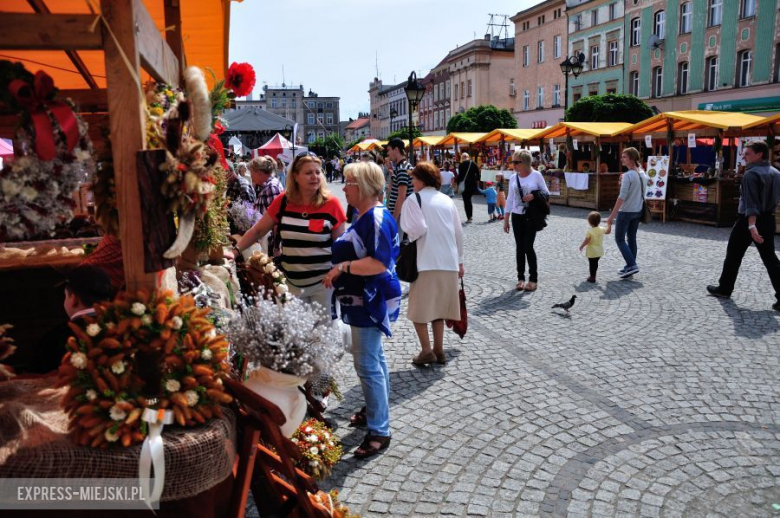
(317,293)
(625,228)
(525,235)
(739,241)
(491,208)
(371,368)
(446,189)
(467,203)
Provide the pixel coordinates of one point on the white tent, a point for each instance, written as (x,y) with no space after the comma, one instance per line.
(235,143)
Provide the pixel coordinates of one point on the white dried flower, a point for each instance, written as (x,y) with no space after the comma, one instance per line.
(294,440)
(276,275)
(312,438)
(118,367)
(176,323)
(206,354)
(313,463)
(79,360)
(308,429)
(28,194)
(314,450)
(281,289)
(270,268)
(138,309)
(93,329)
(192,397)
(111,437)
(10,188)
(172,385)
(91,395)
(146,320)
(116,413)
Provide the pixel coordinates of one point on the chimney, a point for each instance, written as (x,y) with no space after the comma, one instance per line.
(487,37)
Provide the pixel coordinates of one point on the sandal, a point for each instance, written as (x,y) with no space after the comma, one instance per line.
(441,359)
(424,359)
(520,285)
(531,286)
(359,419)
(368,450)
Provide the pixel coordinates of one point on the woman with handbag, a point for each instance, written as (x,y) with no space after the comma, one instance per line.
(432,221)
(369,294)
(468,179)
(628,210)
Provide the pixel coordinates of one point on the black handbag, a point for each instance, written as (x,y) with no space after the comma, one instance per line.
(406,266)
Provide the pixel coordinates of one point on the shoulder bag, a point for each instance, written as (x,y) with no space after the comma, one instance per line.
(645,215)
(406,266)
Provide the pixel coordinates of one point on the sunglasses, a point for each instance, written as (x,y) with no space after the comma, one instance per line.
(515,162)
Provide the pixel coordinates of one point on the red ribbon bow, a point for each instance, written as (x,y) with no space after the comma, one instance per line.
(34,99)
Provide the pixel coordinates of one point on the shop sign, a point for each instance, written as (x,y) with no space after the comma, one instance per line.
(761,104)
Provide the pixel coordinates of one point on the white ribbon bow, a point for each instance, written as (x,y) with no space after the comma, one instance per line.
(153,454)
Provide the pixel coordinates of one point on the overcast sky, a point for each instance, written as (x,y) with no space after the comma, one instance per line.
(332,46)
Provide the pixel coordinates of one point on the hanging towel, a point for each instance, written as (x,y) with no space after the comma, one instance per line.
(577,181)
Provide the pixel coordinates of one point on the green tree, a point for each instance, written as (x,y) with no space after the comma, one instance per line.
(482,119)
(609,108)
(403,133)
(328,147)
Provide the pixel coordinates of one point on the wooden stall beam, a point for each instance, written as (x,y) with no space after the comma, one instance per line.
(174,36)
(127,135)
(88,100)
(32,31)
(157,58)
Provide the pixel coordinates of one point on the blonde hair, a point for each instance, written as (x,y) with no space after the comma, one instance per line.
(368,176)
(261,164)
(464,156)
(294,191)
(523,156)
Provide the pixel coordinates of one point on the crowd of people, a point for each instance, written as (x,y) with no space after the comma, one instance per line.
(345,260)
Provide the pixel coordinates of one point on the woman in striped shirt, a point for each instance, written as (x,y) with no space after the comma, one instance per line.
(309,218)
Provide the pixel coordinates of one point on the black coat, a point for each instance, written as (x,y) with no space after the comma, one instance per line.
(469,171)
(538,209)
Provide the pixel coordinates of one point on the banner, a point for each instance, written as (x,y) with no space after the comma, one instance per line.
(657,177)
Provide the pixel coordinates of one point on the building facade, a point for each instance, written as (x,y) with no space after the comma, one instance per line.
(398,108)
(316,116)
(537,84)
(440,111)
(358,128)
(380,108)
(704,54)
(596,29)
(480,73)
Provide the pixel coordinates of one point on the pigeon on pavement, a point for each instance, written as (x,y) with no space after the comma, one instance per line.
(566,306)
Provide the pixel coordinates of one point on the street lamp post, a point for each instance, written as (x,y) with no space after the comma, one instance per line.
(414,93)
(572,64)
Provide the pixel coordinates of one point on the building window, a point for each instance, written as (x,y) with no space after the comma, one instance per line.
(593,90)
(556,95)
(577,23)
(540,97)
(715,13)
(659,24)
(576,96)
(284,103)
(777,64)
(273,103)
(512,91)
(441,91)
(436,119)
(470,92)
(310,137)
(658,81)
(594,17)
(320,118)
(636,32)
(612,90)
(633,83)
(682,78)
(540,56)
(748,8)
(594,57)
(320,134)
(311,104)
(526,100)
(744,62)
(293,104)
(462,90)
(557,47)
(456,90)
(448,90)
(329,118)
(526,56)
(613,53)
(712,73)
(435,95)
(686,15)
(613,11)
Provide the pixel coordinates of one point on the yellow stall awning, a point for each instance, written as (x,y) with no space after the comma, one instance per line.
(427,141)
(509,135)
(693,120)
(460,138)
(765,123)
(583,129)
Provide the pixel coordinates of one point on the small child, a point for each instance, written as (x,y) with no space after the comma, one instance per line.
(501,203)
(491,197)
(594,241)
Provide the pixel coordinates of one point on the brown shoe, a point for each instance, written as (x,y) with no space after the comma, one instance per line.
(531,286)
(424,359)
(591,279)
(520,285)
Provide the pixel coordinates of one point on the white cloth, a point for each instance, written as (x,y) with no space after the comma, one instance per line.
(577,181)
(446,177)
(532,182)
(436,228)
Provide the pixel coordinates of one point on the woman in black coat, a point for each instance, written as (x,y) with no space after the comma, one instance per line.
(469,173)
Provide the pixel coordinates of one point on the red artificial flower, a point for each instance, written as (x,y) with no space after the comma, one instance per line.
(219,129)
(240,78)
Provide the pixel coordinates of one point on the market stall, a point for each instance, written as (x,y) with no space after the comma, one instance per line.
(592,181)
(426,142)
(703,189)
(502,138)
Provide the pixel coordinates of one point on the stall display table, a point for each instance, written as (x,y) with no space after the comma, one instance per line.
(198,461)
(711,201)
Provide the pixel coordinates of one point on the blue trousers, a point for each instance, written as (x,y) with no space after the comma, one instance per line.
(625,235)
(371,368)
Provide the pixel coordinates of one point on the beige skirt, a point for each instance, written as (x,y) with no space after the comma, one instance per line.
(434,296)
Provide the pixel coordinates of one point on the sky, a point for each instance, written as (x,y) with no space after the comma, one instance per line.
(333,46)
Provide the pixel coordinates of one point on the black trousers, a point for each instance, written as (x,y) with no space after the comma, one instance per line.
(740,240)
(525,235)
(467,205)
(593,263)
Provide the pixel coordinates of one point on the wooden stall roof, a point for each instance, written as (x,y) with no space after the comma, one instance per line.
(765,123)
(427,141)
(205,33)
(583,129)
(510,135)
(453,138)
(693,120)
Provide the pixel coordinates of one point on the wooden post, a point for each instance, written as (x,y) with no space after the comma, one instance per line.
(127,135)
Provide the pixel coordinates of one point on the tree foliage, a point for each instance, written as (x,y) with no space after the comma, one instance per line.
(609,108)
(403,133)
(481,119)
(328,147)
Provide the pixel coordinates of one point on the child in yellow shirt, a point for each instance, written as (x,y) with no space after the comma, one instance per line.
(594,243)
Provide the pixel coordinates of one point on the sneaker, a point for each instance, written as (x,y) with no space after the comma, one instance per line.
(715,291)
(629,271)
(620,272)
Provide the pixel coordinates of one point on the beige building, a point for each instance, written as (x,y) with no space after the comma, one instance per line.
(480,73)
(537,84)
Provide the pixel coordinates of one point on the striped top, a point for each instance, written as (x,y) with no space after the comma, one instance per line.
(306,238)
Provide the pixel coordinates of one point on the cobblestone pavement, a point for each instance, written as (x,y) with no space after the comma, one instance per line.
(650,399)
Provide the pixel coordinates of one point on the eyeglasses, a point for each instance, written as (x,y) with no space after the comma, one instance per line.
(353,184)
